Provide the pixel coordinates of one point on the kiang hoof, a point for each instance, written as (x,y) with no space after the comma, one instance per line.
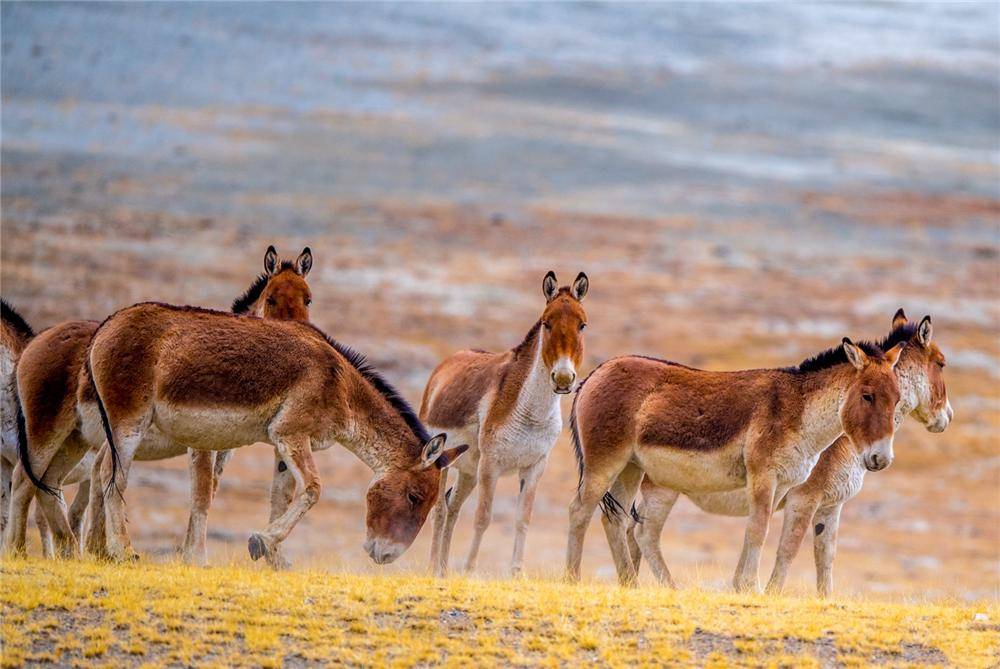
(256,546)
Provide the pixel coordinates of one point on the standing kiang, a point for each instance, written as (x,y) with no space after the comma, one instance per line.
(62,424)
(506,407)
(836,478)
(697,431)
(216,381)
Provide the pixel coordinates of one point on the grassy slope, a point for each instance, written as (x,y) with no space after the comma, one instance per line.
(83,612)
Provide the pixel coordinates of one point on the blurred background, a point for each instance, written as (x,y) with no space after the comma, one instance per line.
(745,184)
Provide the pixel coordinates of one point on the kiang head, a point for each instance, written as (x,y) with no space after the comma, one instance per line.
(921,370)
(399,500)
(286,294)
(869,407)
(562,325)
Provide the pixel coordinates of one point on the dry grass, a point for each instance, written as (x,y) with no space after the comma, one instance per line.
(168,614)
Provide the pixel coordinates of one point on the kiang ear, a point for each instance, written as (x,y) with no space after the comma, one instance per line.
(449,456)
(580,286)
(925,331)
(270,260)
(550,287)
(432,451)
(854,354)
(899,320)
(304,262)
(893,354)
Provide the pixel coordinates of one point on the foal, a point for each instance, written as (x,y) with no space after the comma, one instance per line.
(215,381)
(697,431)
(836,478)
(63,426)
(506,406)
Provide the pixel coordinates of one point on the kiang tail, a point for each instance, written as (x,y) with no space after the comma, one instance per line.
(25,456)
(108,432)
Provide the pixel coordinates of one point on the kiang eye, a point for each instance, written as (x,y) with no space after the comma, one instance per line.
(413,498)
(868,397)
(309,301)
(940,363)
(583,326)
(272,301)
(547,325)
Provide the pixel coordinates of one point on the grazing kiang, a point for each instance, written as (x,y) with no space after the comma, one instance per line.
(215,381)
(697,431)
(63,428)
(15,335)
(506,407)
(836,478)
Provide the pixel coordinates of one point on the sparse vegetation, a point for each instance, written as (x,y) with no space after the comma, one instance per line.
(168,614)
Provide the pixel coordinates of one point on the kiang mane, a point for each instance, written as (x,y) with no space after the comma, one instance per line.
(903,333)
(521,349)
(242,304)
(402,407)
(832,357)
(15,320)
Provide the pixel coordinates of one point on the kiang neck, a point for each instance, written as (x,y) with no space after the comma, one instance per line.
(536,401)
(383,440)
(820,423)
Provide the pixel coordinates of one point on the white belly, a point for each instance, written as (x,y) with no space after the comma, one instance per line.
(212,429)
(693,471)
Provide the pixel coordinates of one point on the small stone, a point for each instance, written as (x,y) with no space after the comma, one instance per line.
(981,618)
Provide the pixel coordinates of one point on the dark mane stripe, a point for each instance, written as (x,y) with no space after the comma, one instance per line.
(242,304)
(521,349)
(834,356)
(903,333)
(15,320)
(397,401)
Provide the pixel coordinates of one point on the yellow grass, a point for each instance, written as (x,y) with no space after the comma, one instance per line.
(158,614)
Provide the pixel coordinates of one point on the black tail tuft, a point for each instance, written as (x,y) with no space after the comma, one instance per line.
(634,512)
(25,457)
(611,507)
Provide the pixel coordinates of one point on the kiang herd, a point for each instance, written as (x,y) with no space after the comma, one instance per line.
(83,400)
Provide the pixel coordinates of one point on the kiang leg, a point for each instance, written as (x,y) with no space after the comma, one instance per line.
(296,452)
(23,490)
(522,515)
(799,509)
(440,517)
(826,528)
(80,474)
(761,487)
(128,435)
(221,460)
(78,509)
(44,532)
(593,485)
(488,475)
(201,465)
(282,491)
(459,494)
(616,523)
(96,542)
(64,539)
(657,504)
